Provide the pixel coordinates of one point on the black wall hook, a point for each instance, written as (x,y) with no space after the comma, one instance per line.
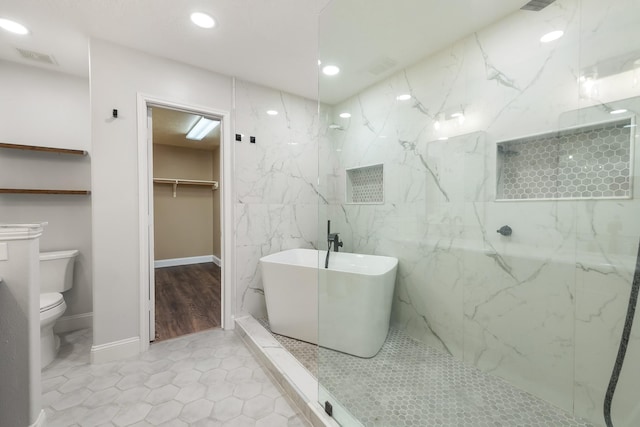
(114,113)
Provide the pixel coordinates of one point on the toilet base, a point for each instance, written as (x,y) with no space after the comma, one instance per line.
(49,346)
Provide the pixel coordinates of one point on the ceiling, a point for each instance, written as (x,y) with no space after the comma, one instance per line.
(170,127)
(269,42)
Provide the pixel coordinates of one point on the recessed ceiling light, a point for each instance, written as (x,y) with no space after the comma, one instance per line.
(330,70)
(443,138)
(13,26)
(272,112)
(345,115)
(404,97)
(202,20)
(619,111)
(553,35)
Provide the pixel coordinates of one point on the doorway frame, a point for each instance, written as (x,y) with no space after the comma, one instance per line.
(145,209)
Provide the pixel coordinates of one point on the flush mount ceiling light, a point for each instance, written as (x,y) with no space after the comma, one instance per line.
(13,26)
(404,97)
(345,115)
(202,127)
(330,70)
(618,111)
(203,20)
(553,35)
(272,112)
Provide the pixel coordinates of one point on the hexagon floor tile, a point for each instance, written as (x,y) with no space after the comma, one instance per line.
(208,378)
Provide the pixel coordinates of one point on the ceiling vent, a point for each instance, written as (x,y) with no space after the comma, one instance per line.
(537,5)
(381,65)
(37,56)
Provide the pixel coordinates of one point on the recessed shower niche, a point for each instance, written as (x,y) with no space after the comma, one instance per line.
(365,184)
(586,162)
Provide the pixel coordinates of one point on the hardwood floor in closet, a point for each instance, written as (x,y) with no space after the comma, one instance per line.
(187,299)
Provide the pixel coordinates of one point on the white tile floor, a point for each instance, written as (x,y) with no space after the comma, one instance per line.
(203,379)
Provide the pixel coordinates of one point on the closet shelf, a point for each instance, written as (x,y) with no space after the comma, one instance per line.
(46,149)
(38,191)
(178,181)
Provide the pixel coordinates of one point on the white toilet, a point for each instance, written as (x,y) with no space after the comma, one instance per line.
(56,276)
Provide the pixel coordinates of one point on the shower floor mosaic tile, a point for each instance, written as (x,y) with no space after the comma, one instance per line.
(410,384)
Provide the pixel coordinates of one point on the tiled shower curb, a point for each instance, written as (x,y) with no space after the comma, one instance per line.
(295,380)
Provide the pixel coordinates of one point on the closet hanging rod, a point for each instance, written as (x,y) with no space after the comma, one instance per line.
(185,181)
(178,181)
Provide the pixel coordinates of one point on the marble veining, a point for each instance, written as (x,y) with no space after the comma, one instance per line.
(542,308)
(276,186)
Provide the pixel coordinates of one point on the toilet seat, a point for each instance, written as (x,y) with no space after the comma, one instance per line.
(49,301)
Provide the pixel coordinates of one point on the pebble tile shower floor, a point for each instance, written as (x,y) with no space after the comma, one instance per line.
(204,379)
(410,384)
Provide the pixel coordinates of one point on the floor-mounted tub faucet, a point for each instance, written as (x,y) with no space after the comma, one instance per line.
(332,239)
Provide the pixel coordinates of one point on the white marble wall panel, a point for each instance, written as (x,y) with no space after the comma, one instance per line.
(519,320)
(282,166)
(276,183)
(543,308)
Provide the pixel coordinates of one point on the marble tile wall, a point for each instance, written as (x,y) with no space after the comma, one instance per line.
(276,183)
(543,308)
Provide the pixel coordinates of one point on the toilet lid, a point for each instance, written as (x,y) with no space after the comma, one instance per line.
(50,300)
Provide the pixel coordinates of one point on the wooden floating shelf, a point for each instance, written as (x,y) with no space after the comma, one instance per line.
(45,149)
(35,191)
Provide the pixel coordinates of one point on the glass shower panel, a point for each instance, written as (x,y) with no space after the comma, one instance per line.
(495,163)
(607,231)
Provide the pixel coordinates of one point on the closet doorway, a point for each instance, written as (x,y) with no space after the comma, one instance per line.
(186,235)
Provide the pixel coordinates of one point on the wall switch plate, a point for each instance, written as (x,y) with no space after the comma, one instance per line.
(252,139)
(238,137)
(4,251)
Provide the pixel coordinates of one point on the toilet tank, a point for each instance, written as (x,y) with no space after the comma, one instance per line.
(56,270)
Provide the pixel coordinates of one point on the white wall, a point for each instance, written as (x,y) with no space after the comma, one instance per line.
(118,74)
(47,108)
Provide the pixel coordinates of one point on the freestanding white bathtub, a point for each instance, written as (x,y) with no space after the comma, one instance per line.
(351,300)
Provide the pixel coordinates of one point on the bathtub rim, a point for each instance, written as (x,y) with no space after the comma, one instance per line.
(317,262)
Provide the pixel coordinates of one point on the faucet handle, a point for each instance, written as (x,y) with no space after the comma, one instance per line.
(505,230)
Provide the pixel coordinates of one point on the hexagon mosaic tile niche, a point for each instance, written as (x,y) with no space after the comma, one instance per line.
(585,163)
(365,184)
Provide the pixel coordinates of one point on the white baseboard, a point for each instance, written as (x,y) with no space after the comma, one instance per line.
(73,323)
(115,350)
(186,261)
(41,420)
(217,261)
